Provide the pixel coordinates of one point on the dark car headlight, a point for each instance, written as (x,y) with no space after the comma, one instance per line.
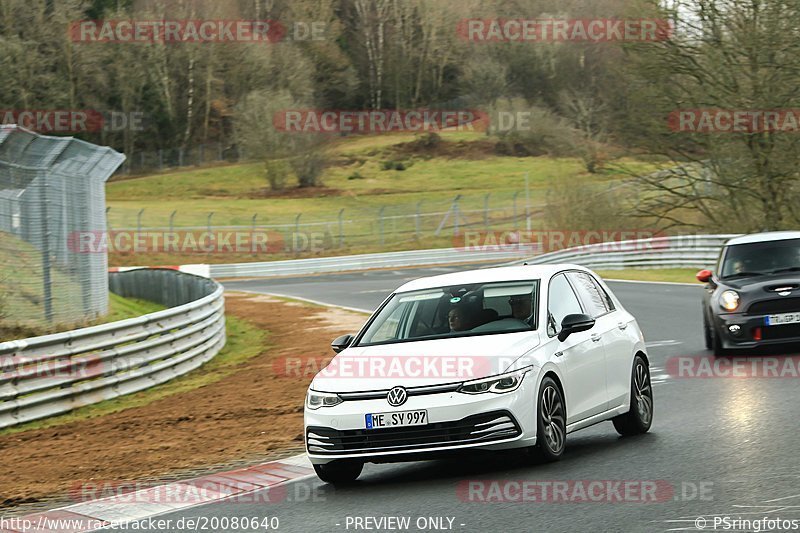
(497,384)
(729,300)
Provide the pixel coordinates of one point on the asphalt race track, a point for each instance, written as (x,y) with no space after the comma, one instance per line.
(722,446)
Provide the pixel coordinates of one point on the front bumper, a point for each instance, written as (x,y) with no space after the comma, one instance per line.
(753,331)
(457,421)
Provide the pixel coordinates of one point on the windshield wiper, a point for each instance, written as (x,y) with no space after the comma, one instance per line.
(743,274)
(787,269)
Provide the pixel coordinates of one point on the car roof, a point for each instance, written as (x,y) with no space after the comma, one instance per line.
(764,237)
(488,275)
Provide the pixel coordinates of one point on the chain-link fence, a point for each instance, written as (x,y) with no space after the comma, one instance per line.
(144,161)
(52,189)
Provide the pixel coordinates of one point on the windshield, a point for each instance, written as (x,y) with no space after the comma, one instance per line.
(455,311)
(761,258)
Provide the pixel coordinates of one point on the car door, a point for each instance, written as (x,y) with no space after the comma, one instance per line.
(620,346)
(581,354)
(610,325)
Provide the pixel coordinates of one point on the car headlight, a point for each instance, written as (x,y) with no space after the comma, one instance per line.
(497,384)
(729,300)
(315,400)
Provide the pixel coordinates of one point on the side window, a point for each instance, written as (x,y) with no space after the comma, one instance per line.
(589,294)
(561,302)
(606,297)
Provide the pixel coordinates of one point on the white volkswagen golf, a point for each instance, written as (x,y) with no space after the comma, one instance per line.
(509,357)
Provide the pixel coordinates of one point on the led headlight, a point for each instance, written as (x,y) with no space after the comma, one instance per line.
(729,300)
(497,384)
(315,399)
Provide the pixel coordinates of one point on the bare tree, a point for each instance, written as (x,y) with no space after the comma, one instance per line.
(733,55)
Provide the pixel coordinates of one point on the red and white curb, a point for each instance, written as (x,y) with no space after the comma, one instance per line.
(243,485)
(197,270)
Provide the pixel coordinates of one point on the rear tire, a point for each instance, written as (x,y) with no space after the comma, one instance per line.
(640,416)
(551,421)
(339,472)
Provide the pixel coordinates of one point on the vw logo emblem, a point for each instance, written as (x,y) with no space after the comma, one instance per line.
(397,396)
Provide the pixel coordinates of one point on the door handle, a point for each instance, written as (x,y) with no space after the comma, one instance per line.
(622,325)
(559,354)
(595,337)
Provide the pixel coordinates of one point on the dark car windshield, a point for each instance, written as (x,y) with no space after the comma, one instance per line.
(761,258)
(455,311)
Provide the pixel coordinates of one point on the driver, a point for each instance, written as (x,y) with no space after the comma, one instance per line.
(459,319)
(520,306)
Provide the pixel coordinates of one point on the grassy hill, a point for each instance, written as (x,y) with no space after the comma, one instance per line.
(362,178)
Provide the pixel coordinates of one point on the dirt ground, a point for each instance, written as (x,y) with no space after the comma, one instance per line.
(252,415)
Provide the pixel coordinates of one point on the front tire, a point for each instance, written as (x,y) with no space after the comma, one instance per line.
(708,333)
(551,422)
(717,348)
(339,472)
(640,416)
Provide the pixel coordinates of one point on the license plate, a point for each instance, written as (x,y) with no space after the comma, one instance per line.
(783,318)
(399,419)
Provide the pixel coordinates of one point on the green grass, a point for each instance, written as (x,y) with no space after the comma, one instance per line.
(677,275)
(232,191)
(244,341)
(120,308)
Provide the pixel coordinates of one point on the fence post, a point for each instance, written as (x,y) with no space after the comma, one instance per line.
(172,221)
(515,209)
(180,157)
(160,159)
(380,224)
(341,227)
(293,240)
(456,216)
(253,233)
(139,221)
(486,211)
(417,219)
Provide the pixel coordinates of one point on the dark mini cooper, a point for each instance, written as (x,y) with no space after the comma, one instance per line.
(753,299)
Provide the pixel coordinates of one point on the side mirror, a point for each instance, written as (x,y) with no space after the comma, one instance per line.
(340,343)
(704,276)
(573,324)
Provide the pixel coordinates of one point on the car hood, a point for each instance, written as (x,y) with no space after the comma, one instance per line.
(764,284)
(420,363)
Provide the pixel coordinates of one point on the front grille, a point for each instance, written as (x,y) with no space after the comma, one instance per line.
(766,307)
(472,429)
(786,331)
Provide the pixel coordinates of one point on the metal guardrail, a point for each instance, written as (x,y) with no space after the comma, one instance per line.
(683,251)
(54,374)
(445,256)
